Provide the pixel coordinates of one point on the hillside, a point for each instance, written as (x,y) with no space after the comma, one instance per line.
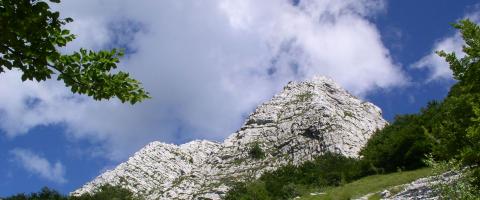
(305,120)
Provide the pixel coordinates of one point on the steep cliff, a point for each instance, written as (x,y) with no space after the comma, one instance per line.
(304,120)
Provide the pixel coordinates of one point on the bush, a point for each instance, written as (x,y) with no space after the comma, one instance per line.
(450,130)
(44,194)
(106,192)
(256,151)
(328,170)
(289,181)
(402,144)
(248,191)
(466,187)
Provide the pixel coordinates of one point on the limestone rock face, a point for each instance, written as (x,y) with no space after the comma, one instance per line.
(304,120)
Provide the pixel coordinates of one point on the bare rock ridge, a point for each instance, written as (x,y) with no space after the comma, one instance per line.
(304,120)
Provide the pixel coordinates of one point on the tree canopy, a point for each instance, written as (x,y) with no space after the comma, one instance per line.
(31,36)
(449,129)
(459,131)
(104,192)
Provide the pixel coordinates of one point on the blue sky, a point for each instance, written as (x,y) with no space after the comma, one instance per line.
(208,66)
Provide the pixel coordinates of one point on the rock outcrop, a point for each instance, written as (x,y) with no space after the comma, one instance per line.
(304,120)
(426,188)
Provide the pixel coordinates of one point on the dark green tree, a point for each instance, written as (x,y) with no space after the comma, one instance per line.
(256,152)
(449,129)
(105,192)
(30,37)
(459,131)
(403,144)
(44,194)
(248,191)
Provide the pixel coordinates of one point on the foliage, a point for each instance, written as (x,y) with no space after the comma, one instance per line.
(305,96)
(459,132)
(466,187)
(289,181)
(402,144)
(31,37)
(467,69)
(471,153)
(44,194)
(106,192)
(449,129)
(252,191)
(256,151)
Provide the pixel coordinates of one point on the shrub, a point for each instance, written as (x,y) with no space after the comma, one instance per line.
(256,151)
(466,187)
(402,144)
(106,192)
(329,169)
(289,181)
(44,194)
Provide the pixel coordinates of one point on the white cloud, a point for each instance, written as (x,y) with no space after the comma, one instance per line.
(438,68)
(24,105)
(206,65)
(40,166)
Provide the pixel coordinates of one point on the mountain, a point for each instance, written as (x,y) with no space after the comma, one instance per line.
(304,120)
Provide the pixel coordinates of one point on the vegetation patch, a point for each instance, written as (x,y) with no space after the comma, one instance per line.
(305,96)
(348,114)
(105,192)
(256,152)
(290,181)
(369,184)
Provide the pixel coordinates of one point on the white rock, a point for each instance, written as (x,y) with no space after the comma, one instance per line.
(425,188)
(385,194)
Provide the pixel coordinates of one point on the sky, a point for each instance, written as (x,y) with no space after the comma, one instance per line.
(207,65)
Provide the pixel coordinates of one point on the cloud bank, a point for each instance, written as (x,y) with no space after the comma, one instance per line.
(40,166)
(206,65)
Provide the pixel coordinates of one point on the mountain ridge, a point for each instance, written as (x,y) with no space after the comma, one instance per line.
(304,120)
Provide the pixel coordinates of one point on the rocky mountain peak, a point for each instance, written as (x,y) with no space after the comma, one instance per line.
(304,120)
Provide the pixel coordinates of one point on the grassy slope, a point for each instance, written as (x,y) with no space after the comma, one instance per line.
(370,184)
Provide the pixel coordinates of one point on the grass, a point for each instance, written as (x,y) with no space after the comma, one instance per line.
(369,184)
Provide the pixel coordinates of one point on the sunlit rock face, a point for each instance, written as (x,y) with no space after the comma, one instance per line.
(304,120)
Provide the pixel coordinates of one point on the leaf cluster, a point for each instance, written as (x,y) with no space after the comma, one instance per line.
(459,136)
(31,35)
(403,144)
(256,152)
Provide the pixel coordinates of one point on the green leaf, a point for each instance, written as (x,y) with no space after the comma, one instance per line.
(24,77)
(35,37)
(65,32)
